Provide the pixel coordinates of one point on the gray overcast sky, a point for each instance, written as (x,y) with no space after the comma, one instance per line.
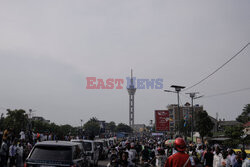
(48,48)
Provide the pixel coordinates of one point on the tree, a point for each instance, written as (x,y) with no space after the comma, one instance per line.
(245,115)
(16,120)
(2,122)
(121,127)
(40,126)
(204,124)
(92,128)
(234,133)
(111,126)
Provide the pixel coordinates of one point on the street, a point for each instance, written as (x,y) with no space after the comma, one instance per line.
(103,163)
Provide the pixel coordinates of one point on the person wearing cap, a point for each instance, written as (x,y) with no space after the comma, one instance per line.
(179,159)
(160,157)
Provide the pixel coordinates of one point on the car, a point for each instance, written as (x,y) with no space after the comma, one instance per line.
(56,153)
(90,149)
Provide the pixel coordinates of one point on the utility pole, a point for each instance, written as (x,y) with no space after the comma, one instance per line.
(177,90)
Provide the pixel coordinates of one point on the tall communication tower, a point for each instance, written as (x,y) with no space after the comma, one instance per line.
(131,91)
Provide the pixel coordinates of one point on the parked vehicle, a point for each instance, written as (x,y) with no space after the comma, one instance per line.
(103,148)
(91,150)
(56,153)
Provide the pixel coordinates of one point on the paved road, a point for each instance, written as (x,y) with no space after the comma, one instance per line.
(103,163)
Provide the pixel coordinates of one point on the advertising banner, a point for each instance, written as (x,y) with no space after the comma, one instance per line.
(161,120)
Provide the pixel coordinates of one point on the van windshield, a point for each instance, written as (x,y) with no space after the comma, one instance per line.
(87,146)
(55,153)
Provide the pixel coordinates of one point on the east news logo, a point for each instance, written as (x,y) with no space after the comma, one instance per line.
(116,83)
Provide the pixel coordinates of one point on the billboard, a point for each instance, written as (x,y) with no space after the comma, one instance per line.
(161,120)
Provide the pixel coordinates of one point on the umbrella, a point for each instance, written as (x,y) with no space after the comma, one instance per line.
(170,142)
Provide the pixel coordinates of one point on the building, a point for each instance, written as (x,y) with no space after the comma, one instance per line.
(215,128)
(185,113)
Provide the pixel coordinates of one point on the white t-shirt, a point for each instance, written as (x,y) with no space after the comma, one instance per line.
(22,134)
(246,163)
(217,160)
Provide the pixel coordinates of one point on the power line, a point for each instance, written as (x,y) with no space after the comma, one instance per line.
(226,93)
(218,68)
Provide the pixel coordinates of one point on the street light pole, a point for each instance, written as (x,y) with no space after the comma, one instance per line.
(179,113)
(177,90)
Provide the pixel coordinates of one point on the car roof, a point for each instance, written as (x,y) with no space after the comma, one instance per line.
(56,143)
(74,140)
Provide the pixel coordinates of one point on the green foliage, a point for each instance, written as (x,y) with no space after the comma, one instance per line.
(124,128)
(92,127)
(235,133)
(2,127)
(40,126)
(60,131)
(244,117)
(204,124)
(111,126)
(16,120)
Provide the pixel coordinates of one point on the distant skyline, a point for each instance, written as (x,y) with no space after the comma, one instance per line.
(49,48)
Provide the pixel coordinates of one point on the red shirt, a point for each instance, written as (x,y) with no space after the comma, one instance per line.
(178,160)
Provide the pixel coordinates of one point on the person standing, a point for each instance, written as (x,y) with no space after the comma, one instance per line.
(217,161)
(231,158)
(208,158)
(179,159)
(12,154)
(160,158)
(224,158)
(238,162)
(245,160)
(19,159)
(22,136)
(124,160)
(4,153)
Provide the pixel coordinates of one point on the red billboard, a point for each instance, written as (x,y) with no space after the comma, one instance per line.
(161,120)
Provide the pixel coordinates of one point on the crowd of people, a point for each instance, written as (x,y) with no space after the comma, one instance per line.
(149,152)
(132,152)
(15,148)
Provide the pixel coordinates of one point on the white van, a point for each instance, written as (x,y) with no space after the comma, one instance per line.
(91,150)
